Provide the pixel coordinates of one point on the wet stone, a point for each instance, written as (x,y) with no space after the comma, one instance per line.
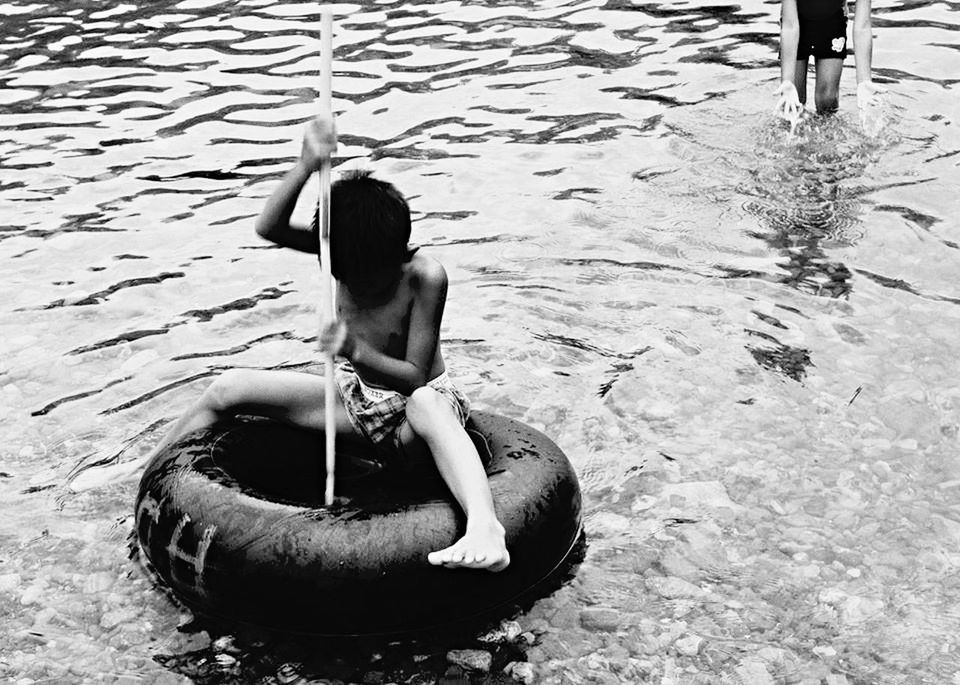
(225,643)
(44,617)
(537,655)
(507,631)
(225,660)
(126,636)
(167,679)
(97,583)
(753,672)
(644,559)
(116,617)
(422,679)
(33,593)
(777,658)
(521,671)
(27,639)
(538,626)
(191,642)
(471,659)
(288,674)
(672,587)
(9,582)
(571,644)
(600,619)
(675,564)
(706,494)
(757,621)
(689,646)
(825,652)
(644,646)
(566,617)
(856,610)
(616,652)
(608,524)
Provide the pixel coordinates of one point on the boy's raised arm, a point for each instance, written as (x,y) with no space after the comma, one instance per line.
(319,142)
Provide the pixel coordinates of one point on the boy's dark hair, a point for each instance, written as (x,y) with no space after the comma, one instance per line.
(369,226)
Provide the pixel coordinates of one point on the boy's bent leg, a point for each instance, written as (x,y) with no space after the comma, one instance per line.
(292,397)
(431,418)
(827,94)
(288,396)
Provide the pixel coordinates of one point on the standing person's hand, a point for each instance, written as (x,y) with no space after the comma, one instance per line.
(788,103)
(869,92)
(870,106)
(319,142)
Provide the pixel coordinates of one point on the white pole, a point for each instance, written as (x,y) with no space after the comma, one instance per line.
(327,312)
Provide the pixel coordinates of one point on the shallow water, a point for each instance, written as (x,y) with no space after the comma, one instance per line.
(745,342)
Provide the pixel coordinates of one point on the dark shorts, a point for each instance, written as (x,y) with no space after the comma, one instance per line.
(823,38)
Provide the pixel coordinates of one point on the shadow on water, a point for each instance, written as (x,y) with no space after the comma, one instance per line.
(229,653)
(799,192)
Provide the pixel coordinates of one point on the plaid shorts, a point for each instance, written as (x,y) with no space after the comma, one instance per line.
(378,413)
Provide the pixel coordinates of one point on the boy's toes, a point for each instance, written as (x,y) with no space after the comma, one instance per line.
(457,557)
(440,557)
(450,556)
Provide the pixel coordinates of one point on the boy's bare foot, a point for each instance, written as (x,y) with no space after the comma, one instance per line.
(481,547)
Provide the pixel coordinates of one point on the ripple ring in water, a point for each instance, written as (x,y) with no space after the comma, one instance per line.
(274,556)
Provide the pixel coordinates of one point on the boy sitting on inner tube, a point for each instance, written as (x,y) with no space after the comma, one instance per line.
(394,388)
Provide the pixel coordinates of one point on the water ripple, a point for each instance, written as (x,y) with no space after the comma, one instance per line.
(642,263)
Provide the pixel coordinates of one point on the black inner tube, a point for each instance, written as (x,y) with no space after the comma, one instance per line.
(231,519)
(276,463)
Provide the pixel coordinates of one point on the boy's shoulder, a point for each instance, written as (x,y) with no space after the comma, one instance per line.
(425,271)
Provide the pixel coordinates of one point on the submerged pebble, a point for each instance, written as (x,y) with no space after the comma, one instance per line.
(689,646)
(674,588)
(600,619)
(9,582)
(471,659)
(521,671)
(33,593)
(507,631)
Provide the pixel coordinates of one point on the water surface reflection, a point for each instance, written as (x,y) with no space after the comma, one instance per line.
(745,343)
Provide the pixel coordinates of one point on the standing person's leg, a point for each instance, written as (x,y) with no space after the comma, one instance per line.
(827,93)
(431,418)
(287,396)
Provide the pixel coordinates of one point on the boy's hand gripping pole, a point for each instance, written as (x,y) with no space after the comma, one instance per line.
(327,312)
